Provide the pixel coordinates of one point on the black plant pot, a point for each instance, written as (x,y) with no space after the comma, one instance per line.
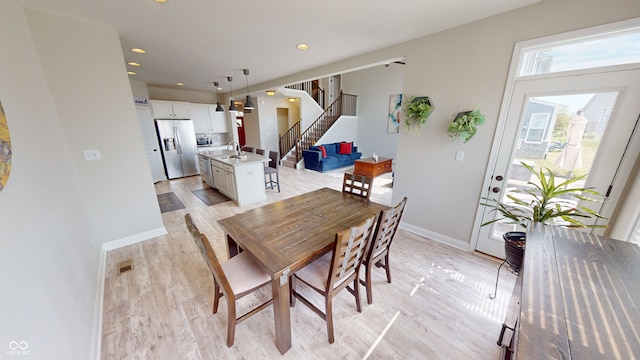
(514,244)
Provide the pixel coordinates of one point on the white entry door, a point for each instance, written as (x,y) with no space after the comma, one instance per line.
(151,145)
(537,132)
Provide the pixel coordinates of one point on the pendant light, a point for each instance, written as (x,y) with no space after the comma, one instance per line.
(248,104)
(233,106)
(219,107)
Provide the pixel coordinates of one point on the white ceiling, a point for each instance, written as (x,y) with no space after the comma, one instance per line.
(197,42)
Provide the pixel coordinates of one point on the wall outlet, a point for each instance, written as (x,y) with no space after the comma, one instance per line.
(91,154)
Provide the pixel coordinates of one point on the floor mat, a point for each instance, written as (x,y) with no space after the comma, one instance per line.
(210,196)
(169,202)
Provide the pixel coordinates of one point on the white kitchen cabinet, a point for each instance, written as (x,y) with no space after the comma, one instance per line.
(219,177)
(231,182)
(200,116)
(170,109)
(218,120)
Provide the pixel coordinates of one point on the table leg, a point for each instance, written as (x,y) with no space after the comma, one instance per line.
(282,312)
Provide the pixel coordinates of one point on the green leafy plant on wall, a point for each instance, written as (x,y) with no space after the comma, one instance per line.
(464,126)
(417,111)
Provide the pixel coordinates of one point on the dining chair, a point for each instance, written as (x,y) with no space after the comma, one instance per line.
(236,278)
(260,152)
(378,251)
(334,271)
(247,149)
(274,160)
(357,184)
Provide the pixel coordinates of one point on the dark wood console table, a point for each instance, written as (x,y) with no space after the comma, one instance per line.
(370,168)
(578,297)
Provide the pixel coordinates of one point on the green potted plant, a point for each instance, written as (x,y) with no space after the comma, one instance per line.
(417,110)
(546,202)
(464,125)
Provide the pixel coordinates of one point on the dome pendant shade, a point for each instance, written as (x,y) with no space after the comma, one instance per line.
(248,104)
(219,107)
(233,106)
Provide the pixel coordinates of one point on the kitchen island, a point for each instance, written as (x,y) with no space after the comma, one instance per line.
(239,177)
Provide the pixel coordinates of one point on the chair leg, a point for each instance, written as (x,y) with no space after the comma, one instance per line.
(292,289)
(368,283)
(216,297)
(231,322)
(329,316)
(356,288)
(387,268)
(278,181)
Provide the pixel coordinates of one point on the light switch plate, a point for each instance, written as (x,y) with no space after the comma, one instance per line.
(459,155)
(91,154)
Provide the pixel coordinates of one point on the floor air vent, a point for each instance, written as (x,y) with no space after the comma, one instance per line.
(125,266)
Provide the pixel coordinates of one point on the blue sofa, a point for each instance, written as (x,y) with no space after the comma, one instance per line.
(337,155)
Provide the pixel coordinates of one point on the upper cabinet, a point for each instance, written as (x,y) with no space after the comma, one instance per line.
(200,117)
(170,109)
(218,120)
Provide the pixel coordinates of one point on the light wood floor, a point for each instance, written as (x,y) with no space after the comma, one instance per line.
(437,306)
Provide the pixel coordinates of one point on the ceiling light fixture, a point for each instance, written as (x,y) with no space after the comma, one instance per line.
(270,92)
(133,63)
(302,46)
(160,1)
(218,107)
(180,84)
(248,104)
(131,72)
(138,51)
(291,99)
(233,106)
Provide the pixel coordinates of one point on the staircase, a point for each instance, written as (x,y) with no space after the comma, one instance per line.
(292,145)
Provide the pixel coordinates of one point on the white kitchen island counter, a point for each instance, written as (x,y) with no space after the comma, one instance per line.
(241,178)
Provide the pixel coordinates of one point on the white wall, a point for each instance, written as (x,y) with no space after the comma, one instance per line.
(374,86)
(344,129)
(202,97)
(64,88)
(118,188)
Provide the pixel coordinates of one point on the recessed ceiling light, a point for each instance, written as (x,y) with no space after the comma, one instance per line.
(180,84)
(138,51)
(292,99)
(302,46)
(160,1)
(271,92)
(133,63)
(131,72)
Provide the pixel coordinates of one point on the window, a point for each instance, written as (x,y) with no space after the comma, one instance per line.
(613,48)
(536,129)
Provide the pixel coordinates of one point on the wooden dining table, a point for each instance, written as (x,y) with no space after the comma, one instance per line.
(286,235)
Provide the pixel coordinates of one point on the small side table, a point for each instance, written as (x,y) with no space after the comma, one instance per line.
(368,167)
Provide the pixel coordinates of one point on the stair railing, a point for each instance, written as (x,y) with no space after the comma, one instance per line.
(312,88)
(344,104)
(288,140)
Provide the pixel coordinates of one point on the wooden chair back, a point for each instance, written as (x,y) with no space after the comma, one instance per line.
(357,184)
(209,257)
(260,152)
(387,225)
(247,149)
(349,251)
(378,253)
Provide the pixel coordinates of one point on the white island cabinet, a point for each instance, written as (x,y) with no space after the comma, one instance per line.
(240,179)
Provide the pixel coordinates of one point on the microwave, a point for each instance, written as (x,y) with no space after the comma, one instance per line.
(203,141)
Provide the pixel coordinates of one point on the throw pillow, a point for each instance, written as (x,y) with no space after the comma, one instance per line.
(345,148)
(323,150)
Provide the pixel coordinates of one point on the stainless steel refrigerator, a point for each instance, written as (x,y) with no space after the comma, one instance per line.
(178,144)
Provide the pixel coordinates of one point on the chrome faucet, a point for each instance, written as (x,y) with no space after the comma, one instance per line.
(237,148)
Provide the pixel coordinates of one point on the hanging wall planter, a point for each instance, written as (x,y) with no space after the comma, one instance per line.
(417,110)
(464,125)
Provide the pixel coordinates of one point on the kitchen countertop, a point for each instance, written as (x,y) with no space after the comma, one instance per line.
(228,157)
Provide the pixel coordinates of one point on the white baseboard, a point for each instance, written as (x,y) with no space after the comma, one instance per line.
(96,335)
(458,244)
(130,240)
